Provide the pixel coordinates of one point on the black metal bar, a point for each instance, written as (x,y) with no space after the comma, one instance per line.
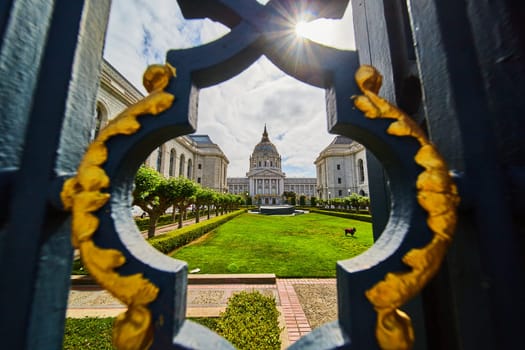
(27,225)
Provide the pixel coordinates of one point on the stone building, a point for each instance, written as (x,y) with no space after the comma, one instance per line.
(193,156)
(341,169)
(265,181)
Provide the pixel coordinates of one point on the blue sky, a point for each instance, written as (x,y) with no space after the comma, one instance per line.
(140,32)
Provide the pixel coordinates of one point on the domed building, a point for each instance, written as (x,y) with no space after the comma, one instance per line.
(266,178)
(265,182)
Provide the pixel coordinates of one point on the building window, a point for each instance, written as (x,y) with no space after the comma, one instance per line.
(338,166)
(101,119)
(160,151)
(181,165)
(190,168)
(340,193)
(361,170)
(338,180)
(199,166)
(172,163)
(199,180)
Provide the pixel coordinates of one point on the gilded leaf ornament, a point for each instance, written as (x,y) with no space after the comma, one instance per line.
(83,195)
(436,194)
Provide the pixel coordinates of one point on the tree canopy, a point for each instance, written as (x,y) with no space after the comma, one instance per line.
(155,194)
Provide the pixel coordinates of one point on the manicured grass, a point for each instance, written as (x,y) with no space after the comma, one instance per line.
(289,246)
(88,333)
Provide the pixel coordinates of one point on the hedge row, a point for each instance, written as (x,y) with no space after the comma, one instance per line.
(353,216)
(251,321)
(165,219)
(172,240)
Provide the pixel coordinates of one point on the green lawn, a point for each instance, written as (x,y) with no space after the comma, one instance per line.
(289,246)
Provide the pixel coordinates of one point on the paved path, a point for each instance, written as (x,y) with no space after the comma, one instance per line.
(170,227)
(207,300)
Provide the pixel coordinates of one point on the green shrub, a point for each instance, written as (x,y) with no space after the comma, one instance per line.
(88,333)
(172,240)
(354,216)
(78,268)
(251,321)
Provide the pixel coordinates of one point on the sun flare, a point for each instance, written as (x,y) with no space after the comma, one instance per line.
(301,29)
(329,32)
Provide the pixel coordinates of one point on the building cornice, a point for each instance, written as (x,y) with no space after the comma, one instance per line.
(118,85)
(339,150)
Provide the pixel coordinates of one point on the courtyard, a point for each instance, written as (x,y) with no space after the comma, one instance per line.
(306,245)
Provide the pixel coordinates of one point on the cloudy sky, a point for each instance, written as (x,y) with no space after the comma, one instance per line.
(140,32)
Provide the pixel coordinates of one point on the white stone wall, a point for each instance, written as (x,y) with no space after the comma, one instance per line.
(338,173)
(115,94)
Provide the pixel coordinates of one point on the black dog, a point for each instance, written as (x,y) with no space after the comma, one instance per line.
(350,231)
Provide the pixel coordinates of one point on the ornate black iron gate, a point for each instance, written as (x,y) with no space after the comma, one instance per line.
(49,59)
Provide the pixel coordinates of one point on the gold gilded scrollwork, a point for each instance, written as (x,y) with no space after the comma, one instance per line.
(83,195)
(436,193)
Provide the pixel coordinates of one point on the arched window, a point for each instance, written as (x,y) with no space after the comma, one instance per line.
(160,154)
(101,119)
(181,165)
(190,169)
(361,170)
(173,155)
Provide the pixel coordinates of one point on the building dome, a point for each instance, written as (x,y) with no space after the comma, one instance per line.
(265,154)
(265,146)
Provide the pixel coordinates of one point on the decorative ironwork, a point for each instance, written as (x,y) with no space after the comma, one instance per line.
(436,193)
(83,195)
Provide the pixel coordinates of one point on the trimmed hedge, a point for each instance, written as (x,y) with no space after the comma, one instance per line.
(251,321)
(353,216)
(172,240)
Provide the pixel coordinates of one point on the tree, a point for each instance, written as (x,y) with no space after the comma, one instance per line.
(364,202)
(338,203)
(203,197)
(289,197)
(152,194)
(313,201)
(302,200)
(354,201)
(184,189)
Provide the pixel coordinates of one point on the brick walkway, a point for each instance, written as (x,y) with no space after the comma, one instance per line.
(206,300)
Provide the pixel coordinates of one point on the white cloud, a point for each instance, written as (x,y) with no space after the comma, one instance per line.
(233,113)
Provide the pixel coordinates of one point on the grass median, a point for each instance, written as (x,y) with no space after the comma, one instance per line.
(290,246)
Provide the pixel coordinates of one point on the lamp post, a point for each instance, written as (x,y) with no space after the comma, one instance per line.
(329,205)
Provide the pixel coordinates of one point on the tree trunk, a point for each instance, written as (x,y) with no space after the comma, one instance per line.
(152,225)
(180,218)
(174,214)
(197,213)
(208,212)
